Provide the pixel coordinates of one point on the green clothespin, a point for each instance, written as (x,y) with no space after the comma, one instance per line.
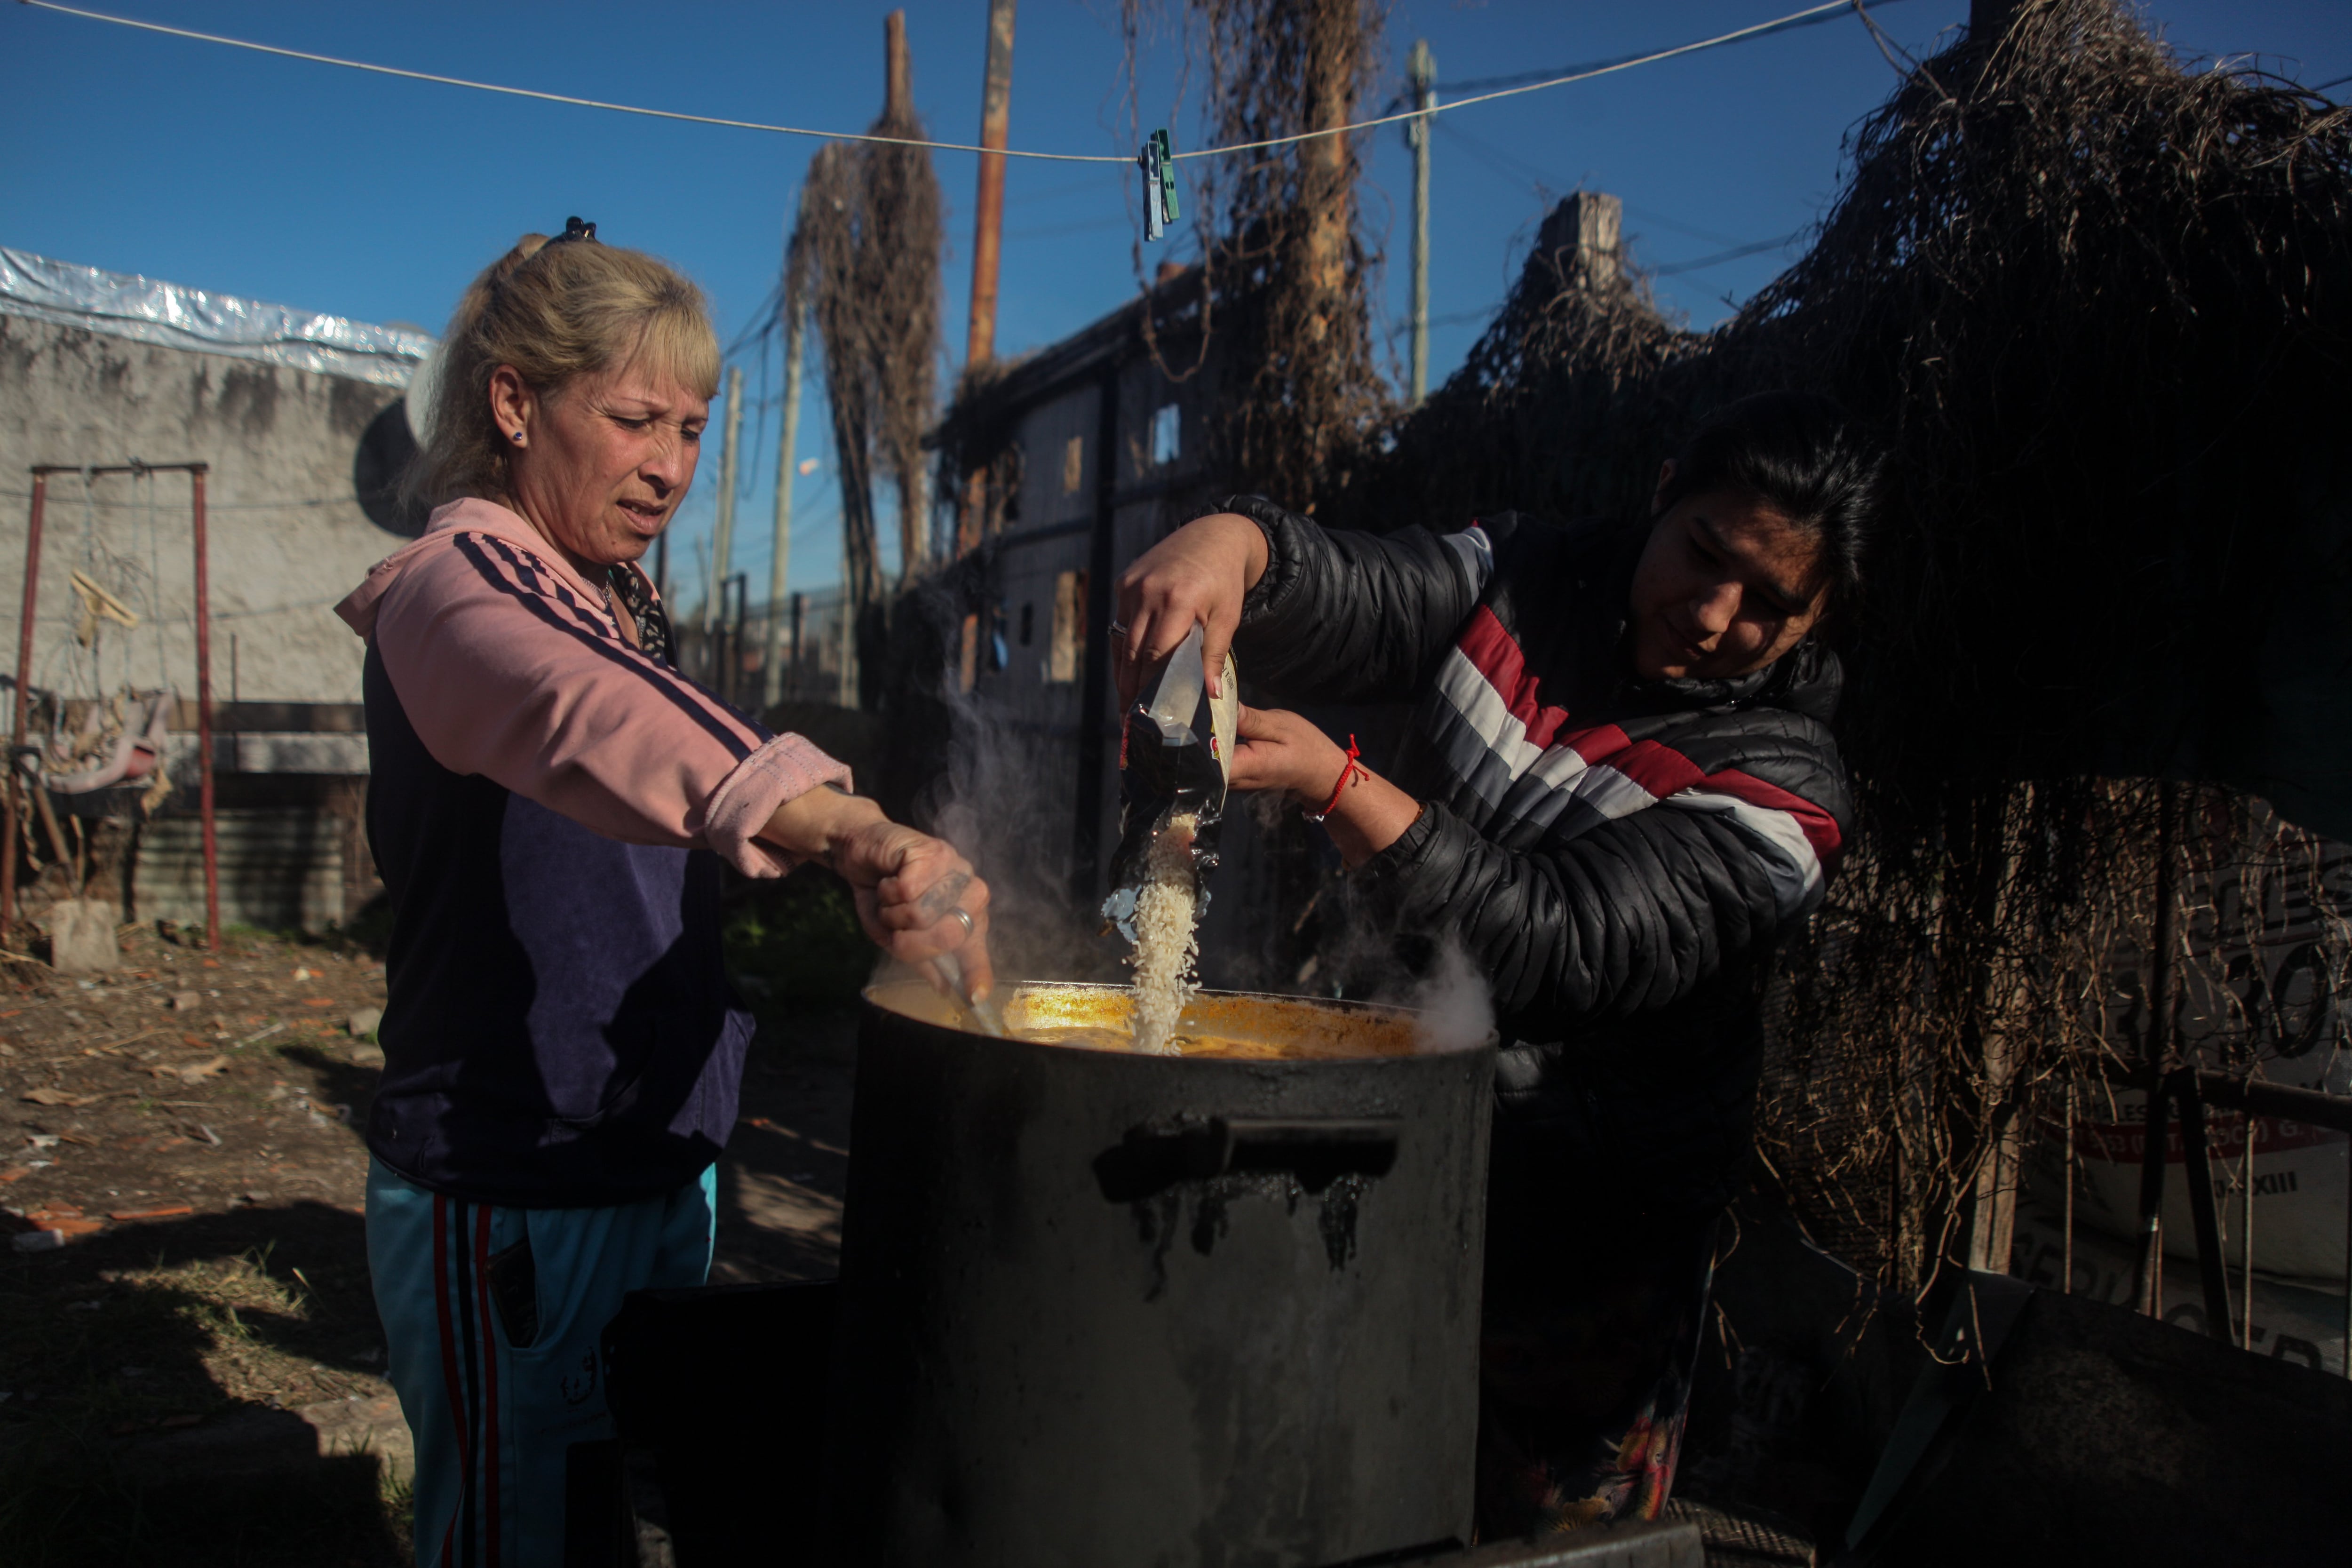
(1167,178)
(1159,164)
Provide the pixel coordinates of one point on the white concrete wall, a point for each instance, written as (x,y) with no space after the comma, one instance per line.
(288,537)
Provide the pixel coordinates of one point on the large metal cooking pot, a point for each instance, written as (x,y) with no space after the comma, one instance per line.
(1101,1308)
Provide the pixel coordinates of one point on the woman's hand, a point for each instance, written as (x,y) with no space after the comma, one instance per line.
(1199,574)
(916,896)
(1282,750)
(909,888)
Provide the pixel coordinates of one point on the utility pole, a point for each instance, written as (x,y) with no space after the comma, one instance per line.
(787,447)
(735,643)
(914,492)
(724,535)
(988,224)
(1324,167)
(1422,68)
(796,644)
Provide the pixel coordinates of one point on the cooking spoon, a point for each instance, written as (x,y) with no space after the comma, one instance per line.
(935,906)
(984,1009)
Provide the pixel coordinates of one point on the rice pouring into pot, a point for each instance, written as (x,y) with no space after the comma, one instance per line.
(1166,936)
(1172,759)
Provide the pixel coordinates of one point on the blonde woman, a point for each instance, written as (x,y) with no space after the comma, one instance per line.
(551,805)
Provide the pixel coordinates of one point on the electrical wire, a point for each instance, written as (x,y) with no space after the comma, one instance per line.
(1511,166)
(561,96)
(1582,74)
(1759,249)
(1501,162)
(1520,78)
(1760,29)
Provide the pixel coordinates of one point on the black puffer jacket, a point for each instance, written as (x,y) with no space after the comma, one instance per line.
(1617,857)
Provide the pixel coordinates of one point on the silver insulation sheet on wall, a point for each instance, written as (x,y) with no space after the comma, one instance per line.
(147,310)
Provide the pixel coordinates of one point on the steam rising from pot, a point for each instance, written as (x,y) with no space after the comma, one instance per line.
(1456,1011)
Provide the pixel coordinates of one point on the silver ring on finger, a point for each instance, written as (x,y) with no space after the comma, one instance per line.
(964,916)
(1118,629)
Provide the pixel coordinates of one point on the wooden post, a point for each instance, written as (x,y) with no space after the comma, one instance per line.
(2147,1272)
(914,489)
(1323,183)
(1993,1209)
(898,69)
(995,126)
(797,607)
(735,643)
(1582,235)
(845,640)
(2197,1172)
(988,229)
(1422,70)
(205,715)
(780,561)
(723,538)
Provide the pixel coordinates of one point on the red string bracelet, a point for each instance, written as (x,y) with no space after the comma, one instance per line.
(1348,772)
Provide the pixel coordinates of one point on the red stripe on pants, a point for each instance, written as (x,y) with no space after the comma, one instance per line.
(490,1455)
(449,1361)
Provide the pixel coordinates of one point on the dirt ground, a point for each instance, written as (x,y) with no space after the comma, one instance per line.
(182,1178)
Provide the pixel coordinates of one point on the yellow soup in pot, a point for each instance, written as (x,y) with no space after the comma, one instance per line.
(1215,1026)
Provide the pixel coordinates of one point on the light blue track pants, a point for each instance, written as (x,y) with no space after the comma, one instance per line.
(493,1319)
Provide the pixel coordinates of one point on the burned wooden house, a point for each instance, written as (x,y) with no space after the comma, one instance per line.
(1071,463)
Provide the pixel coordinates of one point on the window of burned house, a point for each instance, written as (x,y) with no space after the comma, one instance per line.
(1167,435)
(1074,464)
(1066,651)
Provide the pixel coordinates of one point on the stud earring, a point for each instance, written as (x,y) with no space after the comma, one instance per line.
(518,436)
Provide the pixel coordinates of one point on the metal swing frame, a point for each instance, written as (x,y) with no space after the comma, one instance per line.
(17,798)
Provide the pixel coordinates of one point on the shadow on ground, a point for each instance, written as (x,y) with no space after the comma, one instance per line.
(787,1166)
(123,1339)
(152,1335)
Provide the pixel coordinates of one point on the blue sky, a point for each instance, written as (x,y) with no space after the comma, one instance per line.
(377,198)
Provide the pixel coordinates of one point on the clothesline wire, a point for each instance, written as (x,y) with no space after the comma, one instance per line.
(1583,74)
(1819,14)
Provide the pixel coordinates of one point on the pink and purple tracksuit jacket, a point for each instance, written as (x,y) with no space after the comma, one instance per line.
(549,809)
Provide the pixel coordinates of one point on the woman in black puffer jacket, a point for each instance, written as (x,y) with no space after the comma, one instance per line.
(1619,790)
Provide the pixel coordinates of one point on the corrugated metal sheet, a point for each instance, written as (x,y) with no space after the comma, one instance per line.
(280,868)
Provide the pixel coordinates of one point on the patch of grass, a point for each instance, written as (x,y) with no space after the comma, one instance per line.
(94,1362)
(797,942)
(140,1347)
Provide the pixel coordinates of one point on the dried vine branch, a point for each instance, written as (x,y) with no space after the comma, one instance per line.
(865,262)
(1288,266)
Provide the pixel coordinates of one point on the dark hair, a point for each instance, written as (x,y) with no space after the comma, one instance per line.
(1798,455)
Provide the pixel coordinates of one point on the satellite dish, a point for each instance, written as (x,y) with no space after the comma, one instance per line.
(382,460)
(423,388)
